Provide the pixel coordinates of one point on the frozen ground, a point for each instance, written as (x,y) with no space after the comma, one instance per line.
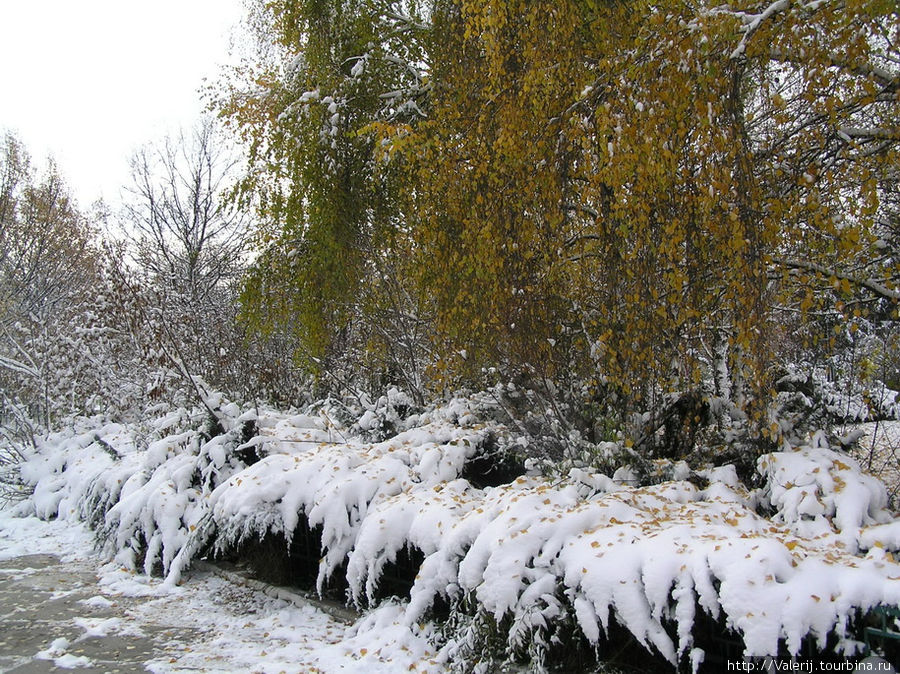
(63,607)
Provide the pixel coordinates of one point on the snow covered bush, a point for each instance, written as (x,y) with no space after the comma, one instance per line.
(384,417)
(78,472)
(646,558)
(809,399)
(12,486)
(143,489)
(512,572)
(816,491)
(336,485)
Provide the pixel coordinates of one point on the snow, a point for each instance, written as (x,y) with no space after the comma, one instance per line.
(335,485)
(28,536)
(99,627)
(238,629)
(56,651)
(814,489)
(798,557)
(97,601)
(879,450)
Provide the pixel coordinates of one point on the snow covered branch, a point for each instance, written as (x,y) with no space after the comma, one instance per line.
(752,22)
(870,284)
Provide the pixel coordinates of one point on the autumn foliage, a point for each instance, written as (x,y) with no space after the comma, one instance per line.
(628,200)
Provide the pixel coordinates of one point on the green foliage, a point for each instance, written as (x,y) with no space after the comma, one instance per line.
(327,205)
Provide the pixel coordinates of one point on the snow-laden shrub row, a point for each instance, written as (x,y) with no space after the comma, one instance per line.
(336,484)
(159,505)
(800,557)
(143,489)
(647,557)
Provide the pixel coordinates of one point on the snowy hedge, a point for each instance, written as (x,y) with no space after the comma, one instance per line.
(801,557)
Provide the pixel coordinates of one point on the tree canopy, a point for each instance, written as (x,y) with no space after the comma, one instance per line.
(640,198)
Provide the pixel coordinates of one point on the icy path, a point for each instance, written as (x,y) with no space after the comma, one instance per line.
(61,607)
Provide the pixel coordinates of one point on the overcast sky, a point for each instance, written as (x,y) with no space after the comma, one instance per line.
(89,81)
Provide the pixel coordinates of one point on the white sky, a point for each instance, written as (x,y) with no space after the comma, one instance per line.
(89,81)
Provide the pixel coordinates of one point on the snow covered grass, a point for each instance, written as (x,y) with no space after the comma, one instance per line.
(799,559)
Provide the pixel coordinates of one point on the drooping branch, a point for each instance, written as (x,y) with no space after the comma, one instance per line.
(870,284)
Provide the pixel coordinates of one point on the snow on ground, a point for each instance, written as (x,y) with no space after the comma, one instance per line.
(241,630)
(71,541)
